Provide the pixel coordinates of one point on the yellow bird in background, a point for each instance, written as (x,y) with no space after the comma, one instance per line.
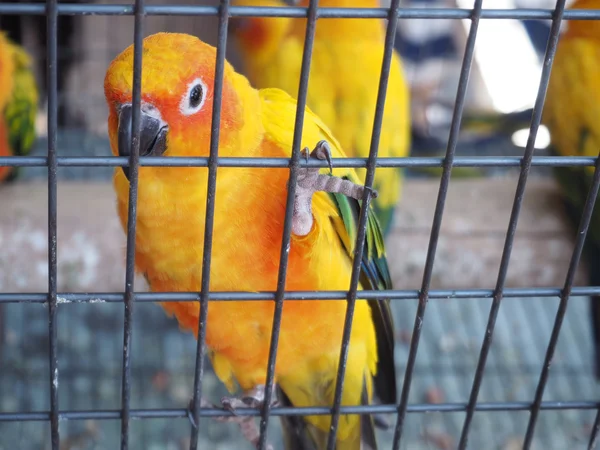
(572,115)
(344,78)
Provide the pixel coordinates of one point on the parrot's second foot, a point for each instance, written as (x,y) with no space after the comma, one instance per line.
(310,181)
(253,398)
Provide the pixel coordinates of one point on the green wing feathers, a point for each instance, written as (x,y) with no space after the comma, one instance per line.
(21,108)
(374,275)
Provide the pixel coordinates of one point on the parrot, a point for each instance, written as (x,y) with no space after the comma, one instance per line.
(18,104)
(346,66)
(571,114)
(176,121)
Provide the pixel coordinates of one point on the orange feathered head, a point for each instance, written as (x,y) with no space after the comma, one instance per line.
(260,36)
(178,72)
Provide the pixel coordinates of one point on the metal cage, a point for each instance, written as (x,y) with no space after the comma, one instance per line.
(53,9)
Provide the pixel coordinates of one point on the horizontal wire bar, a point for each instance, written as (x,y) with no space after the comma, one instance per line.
(68,9)
(405,294)
(70,372)
(292,411)
(412,161)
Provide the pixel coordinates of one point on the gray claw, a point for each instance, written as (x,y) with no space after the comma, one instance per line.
(190,410)
(372,191)
(322,151)
(306,153)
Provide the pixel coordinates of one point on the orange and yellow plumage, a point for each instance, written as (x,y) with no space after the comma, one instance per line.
(344,78)
(248,227)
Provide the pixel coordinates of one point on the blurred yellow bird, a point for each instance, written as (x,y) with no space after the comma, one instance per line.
(572,115)
(344,78)
(176,120)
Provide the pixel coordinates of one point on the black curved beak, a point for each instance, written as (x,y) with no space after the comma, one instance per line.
(153,134)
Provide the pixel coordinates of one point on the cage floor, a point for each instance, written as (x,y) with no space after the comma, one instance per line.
(90,358)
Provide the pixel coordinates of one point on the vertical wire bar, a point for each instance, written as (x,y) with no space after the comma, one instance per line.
(594,433)
(213,164)
(513,221)
(132,218)
(309,38)
(437,218)
(52,83)
(362,219)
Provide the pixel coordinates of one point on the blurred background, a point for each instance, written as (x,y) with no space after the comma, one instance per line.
(91,251)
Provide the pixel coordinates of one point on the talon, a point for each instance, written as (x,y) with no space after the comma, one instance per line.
(373,192)
(190,414)
(227,403)
(251,399)
(323,151)
(190,410)
(306,154)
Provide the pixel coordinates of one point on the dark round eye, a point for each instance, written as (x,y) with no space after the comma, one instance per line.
(195,96)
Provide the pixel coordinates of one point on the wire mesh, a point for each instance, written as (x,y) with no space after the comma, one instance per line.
(130,297)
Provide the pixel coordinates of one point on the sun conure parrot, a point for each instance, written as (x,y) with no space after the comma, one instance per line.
(572,115)
(18,104)
(176,120)
(344,79)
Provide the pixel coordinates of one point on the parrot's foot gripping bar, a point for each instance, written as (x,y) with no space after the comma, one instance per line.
(253,398)
(310,181)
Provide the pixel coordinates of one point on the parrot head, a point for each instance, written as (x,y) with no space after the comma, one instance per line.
(260,36)
(178,73)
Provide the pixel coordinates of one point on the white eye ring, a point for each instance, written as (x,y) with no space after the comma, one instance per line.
(188,105)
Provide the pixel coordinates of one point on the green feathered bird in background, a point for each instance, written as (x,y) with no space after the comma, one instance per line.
(18,104)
